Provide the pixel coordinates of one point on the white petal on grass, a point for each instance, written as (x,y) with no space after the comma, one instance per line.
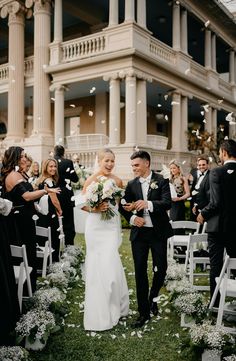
(113,337)
(133,333)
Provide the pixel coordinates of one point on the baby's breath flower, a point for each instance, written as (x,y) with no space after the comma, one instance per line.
(43,298)
(175,271)
(58,279)
(14,353)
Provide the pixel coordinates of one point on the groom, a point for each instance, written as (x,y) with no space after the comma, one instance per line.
(147,201)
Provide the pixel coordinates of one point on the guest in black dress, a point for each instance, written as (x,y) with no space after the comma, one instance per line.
(22,195)
(180,183)
(67,175)
(9,306)
(49,178)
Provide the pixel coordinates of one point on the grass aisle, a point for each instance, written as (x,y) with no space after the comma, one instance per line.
(159,342)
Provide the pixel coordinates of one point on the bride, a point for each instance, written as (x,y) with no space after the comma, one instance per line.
(106,291)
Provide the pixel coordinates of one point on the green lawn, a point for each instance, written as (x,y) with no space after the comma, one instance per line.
(158,341)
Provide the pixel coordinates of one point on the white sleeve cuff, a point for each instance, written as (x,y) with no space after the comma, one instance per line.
(150,206)
(131,221)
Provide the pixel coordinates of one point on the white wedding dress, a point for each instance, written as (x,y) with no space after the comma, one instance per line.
(106,290)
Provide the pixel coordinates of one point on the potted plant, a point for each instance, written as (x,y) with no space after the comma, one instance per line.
(210,340)
(192,305)
(35,326)
(13,353)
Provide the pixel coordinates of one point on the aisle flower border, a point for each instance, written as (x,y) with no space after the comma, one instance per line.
(48,304)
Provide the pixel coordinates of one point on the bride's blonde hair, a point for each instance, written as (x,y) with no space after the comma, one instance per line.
(102,152)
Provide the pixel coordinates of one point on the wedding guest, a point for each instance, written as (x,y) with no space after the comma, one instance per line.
(9,306)
(67,175)
(34,173)
(201,191)
(220,211)
(49,178)
(180,183)
(22,195)
(149,196)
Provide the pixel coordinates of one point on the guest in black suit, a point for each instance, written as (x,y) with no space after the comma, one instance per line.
(201,191)
(67,175)
(149,196)
(220,211)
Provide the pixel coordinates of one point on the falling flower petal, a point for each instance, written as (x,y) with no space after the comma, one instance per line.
(229,117)
(187,71)
(35,217)
(16,168)
(220,101)
(90,113)
(205,107)
(174,103)
(166,96)
(207,23)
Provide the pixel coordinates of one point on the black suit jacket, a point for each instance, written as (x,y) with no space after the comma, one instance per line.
(220,211)
(202,198)
(66,171)
(161,200)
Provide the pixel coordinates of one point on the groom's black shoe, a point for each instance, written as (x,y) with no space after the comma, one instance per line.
(141,320)
(153,308)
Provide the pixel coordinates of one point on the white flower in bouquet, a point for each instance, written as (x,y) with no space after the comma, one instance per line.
(230,358)
(208,336)
(36,324)
(13,353)
(103,190)
(43,298)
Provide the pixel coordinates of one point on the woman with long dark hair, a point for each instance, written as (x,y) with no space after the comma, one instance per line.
(22,195)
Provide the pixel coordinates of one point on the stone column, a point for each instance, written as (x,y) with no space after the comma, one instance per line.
(59,132)
(114,111)
(176,122)
(141,112)
(129,10)
(184,123)
(42,106)
(141,13)
(58,36)
(207,49)
(208,117)
(214,123)
(113,12)
(176,42)
(130,110)
(184,31)
(16,23)
(213,50)
(232,67)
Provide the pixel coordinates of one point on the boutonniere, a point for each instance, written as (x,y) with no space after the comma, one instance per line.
(153,185)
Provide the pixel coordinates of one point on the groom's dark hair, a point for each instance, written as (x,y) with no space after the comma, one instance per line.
(141,154)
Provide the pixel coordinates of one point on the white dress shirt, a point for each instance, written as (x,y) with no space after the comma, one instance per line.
(145,182)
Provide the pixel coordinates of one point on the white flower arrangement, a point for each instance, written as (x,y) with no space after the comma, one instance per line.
(230,358)
(58,279)
(104,189)
(175,271)
(208,336)
(36,324)
(72,251)
(179,286)
(72,260)
(44,297)
(14,353)
(191,304)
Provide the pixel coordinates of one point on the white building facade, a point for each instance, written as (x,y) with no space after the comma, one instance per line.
(122,72)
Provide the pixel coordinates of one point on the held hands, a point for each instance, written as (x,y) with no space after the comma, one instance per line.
(137,206)
(175,199)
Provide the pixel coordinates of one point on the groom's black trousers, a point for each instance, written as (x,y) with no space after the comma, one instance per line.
(146,240)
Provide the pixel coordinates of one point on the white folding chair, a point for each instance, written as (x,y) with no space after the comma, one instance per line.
(45,251)
(195,242)
(22,271)
(227,288)
(61,235)
(181,240)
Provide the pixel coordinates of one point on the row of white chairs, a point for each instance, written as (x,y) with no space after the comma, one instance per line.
(22,272)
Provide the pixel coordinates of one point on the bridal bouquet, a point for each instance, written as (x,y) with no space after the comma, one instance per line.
(104,190)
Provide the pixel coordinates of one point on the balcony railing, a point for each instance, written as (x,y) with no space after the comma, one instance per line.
(4,72)
(83,47)
(162,51)
(157,141)
(86,141)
